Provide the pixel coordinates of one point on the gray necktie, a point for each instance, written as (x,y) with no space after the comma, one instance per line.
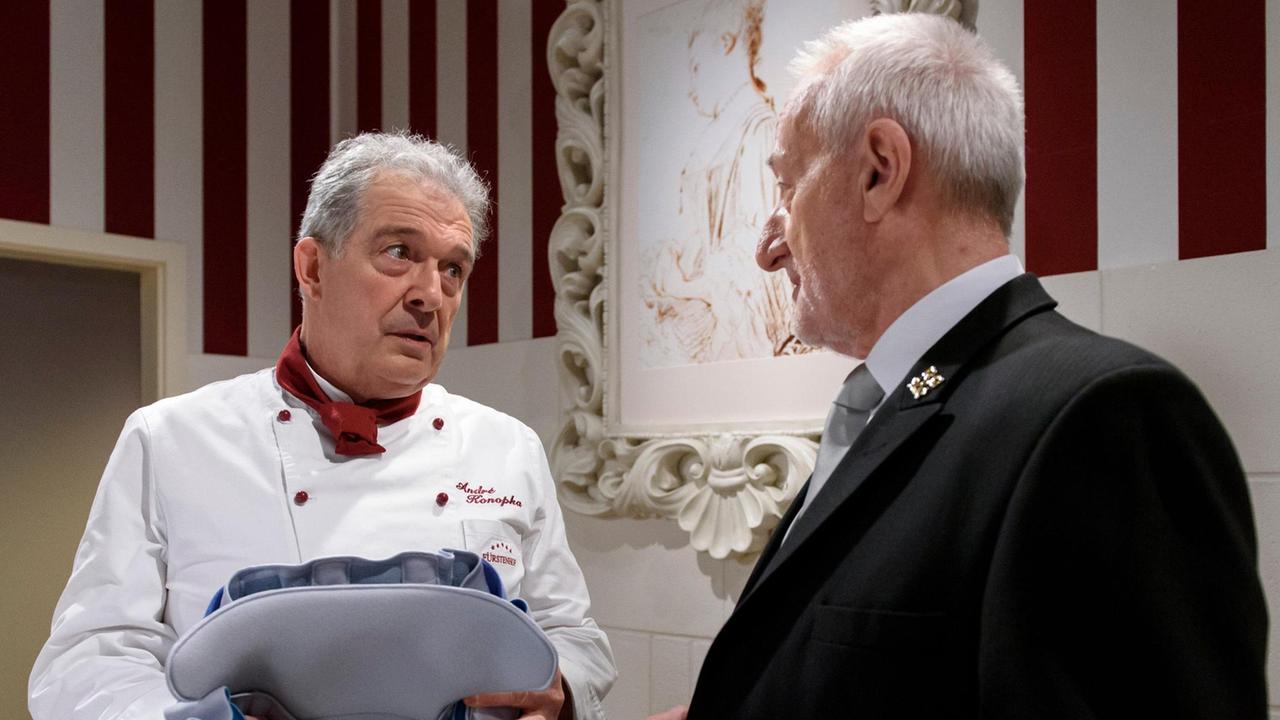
(849,413)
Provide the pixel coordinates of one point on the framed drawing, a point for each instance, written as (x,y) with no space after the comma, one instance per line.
(687,396)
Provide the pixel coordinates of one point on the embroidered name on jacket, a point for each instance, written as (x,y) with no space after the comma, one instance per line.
(481,495)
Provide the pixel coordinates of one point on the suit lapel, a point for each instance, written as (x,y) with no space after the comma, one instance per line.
(779,532)
(885,434)
(902,415)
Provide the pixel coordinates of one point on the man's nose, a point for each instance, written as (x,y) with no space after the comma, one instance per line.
(771,249)
(426,292)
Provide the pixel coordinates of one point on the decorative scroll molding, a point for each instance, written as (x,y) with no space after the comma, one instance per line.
(575,58)
(727,490)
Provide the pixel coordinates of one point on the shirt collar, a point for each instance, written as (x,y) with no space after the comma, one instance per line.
(329,388)
(925,322)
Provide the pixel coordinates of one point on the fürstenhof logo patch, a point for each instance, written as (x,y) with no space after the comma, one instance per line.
(500,553)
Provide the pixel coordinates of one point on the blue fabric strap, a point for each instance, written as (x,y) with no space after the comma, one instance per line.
(216,602)
(216,705)
(492,579)
(455,568)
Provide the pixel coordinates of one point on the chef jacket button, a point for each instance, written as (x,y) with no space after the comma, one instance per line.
(284,416)
(438,423)
(301,497)
(442,499)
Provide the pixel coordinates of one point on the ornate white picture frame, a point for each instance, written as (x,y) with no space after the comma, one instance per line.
(725,481)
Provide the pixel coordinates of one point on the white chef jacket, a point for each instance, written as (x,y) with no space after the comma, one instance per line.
(242,473)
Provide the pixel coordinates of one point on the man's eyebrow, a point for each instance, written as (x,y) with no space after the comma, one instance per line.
(464,254)
(397,230)
(777,160)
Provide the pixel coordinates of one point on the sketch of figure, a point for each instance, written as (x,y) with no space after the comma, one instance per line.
(706,299)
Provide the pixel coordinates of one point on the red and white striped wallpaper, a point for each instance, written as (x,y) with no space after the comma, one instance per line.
(200,122)
(1146,132)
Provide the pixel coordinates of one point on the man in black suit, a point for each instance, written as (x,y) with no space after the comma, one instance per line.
(1036,521)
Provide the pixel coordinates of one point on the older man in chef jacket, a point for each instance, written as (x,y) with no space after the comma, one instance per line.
(343,448)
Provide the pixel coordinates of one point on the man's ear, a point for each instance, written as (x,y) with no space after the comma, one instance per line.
(308,255)
(887,155)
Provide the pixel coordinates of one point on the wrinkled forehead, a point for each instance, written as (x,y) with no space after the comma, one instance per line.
(400,190)
(433,193)
(435,199)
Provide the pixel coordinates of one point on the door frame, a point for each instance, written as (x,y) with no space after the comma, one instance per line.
(161,269)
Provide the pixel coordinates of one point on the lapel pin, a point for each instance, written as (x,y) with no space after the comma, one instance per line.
(921,384)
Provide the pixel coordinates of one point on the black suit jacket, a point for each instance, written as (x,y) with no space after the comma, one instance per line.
(1061,529)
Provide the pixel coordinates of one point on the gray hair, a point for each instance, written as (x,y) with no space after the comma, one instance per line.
(958,103)
(333,205)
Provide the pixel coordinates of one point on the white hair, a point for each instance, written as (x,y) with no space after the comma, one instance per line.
(333,205)
(961,107)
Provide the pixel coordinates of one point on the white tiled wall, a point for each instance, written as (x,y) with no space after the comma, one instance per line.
(1079,297)
(633,653)
(665,600)
(1265,491)
(1218,319)
(643,576)
(670,676)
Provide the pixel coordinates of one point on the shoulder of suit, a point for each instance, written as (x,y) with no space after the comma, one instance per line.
(1048,358)
(1058,340)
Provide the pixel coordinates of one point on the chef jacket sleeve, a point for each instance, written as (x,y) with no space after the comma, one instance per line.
(557,595)
(105,654)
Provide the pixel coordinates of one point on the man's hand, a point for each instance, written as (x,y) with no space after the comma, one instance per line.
(546,704)
(678,712)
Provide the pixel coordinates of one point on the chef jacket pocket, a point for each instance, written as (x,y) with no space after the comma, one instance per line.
(498,543)
(882,629)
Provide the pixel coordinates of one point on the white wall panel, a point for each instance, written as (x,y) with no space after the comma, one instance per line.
(1265,493)
(1000,24)
(643,576)
(736,572)
(342,69)
(395,64)
(518,378)
(1079,297)
(630,695)
(670,682)
(1218,320)
(451,102)
(76,135)
(203,369)
(179,140)
(698,650)
(269,256)
(451,73)
(515,174)
(1273,123)
(1137,133)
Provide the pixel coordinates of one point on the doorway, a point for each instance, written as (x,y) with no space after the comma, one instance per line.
(84,341)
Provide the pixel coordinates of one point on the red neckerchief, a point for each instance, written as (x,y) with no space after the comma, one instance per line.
(354,427)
